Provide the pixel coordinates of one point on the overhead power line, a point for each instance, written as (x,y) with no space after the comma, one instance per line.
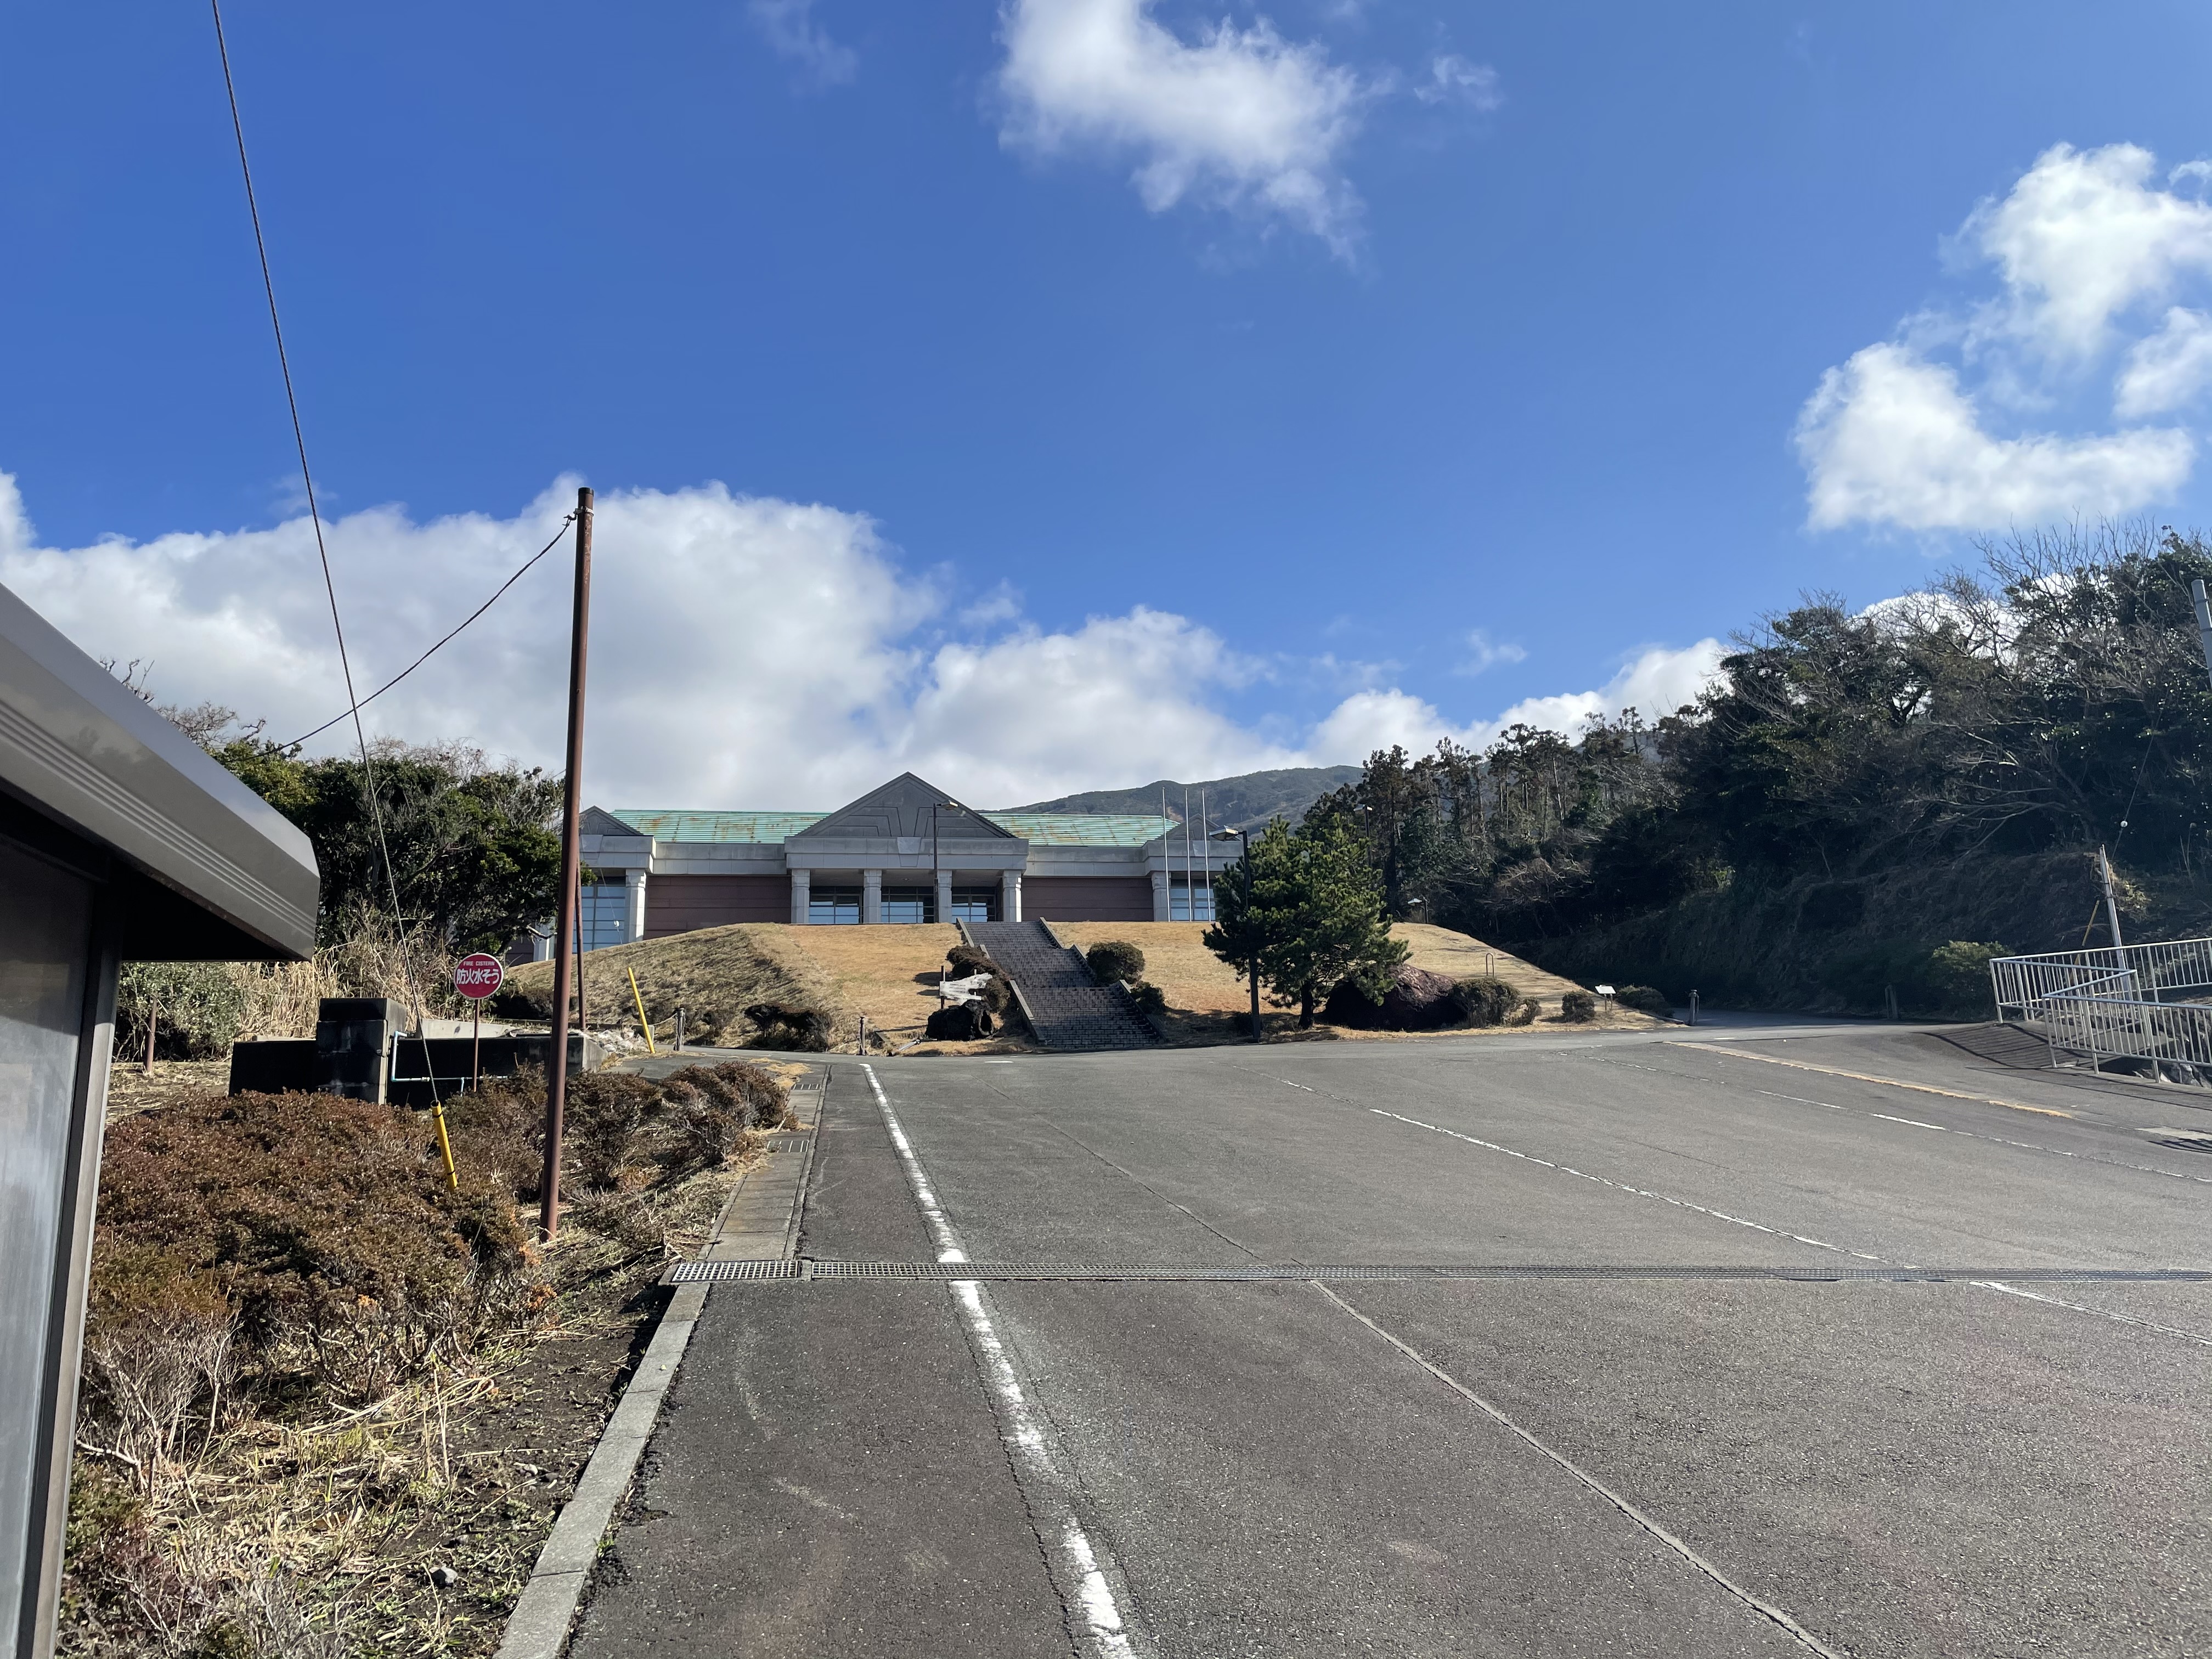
(442,643)
(314,514)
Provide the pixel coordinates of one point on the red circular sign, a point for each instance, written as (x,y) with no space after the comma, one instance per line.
(478,976)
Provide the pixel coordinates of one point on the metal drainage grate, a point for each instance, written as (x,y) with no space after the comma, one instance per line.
(716,1273)
(943,1272)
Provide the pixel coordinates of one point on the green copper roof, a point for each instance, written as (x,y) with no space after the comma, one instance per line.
(1044,829)
(767,827)
(1084,829)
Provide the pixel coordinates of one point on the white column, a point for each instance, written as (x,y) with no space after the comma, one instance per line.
(801,882)
(945,896)
(634,923)
(1009,895)
(871,897)
(1161,912)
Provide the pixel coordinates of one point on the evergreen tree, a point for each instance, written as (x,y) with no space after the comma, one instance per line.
(1308,909)
(474,853)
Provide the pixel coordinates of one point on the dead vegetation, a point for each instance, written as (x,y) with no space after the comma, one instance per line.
(1207,1001)
(330,1404)
(713,975)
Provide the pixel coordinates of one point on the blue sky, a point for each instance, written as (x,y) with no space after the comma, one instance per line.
(1098,389)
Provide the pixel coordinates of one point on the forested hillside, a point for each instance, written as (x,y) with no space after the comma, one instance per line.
(1855,802)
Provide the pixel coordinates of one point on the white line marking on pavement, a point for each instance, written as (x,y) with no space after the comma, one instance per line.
(1770,1095)
(1862,1076)
(933,1214)
(1913,1121)
(2075,1307)
(1084,1585)
(1777,1232)
(1994,1140)
(1619,1187)
(1765,1609)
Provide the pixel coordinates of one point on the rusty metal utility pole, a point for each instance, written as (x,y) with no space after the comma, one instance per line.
(565,924)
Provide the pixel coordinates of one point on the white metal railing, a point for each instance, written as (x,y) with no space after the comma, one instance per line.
(2147,1006)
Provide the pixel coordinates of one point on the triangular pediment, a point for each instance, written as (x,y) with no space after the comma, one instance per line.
(598,821)
(902,809)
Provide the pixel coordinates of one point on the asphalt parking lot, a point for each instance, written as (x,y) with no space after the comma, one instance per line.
(1834,1342)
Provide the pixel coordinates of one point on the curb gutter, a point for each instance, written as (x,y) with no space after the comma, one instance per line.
(539,1627)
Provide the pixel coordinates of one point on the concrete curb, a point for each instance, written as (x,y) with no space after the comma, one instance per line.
(545,1613)
(539,1627)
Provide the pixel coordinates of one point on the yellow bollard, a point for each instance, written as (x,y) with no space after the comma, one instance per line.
(643,1023)
(445,1146)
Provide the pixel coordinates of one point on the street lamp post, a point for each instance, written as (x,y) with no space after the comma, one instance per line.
(937,881)
(1252,964)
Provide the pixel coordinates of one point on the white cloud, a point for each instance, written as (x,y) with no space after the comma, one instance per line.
(789,27)
(1890,438)
(1482,653)
(2083,245)
(1454,80)
(1656,681)
(746,652)
(2082,238)
(1240,118)
(2167,370)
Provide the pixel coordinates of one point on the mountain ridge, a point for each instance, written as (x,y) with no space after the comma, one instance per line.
(1246,801)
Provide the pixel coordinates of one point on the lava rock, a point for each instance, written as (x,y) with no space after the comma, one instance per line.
(1418,1000)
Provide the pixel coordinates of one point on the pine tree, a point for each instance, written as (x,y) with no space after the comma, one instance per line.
(1308,909)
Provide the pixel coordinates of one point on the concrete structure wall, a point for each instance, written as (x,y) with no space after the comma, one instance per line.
(680,904)
(1087,899)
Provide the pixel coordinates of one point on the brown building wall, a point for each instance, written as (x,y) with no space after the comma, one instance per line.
(682,904)
(1087,899)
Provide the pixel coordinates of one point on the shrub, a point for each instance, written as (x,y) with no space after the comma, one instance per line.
(1958,978)
(709,1107)
(1112,959)
(196,1008)
(799,1030)
(161,1337)
(1483,999)
(498,1129)
(1526,1012)
(600,1120)
(1148,997)
(325,1222)
(964,961)
(1646,1000)
(1578,1007)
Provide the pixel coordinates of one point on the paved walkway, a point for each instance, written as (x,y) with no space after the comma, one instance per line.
(1072,1010)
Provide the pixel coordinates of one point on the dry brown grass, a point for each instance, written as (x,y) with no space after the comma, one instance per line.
(889,974)
(129,1089)
(1207,1001)
(283,998)
(712,975)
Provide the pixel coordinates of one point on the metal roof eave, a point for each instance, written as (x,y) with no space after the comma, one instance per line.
(86,751)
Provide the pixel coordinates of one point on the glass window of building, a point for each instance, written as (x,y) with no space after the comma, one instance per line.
(980,905)
(838,905)
(908,904)
(603,914)
(1190,898)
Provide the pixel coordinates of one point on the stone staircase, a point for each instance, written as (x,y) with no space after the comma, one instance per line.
(1070,1010)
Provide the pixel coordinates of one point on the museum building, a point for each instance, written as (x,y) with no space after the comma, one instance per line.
(904,853)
